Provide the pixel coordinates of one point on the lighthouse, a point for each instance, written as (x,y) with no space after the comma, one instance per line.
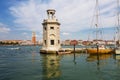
(51,33)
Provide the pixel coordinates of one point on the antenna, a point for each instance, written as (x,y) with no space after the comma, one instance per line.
(118,23)
(96,24)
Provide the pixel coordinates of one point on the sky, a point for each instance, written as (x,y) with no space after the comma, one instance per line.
(19,18)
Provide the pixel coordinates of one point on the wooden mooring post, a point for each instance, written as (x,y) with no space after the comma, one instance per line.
(74,43)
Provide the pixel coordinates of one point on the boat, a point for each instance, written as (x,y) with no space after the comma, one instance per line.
(117,48)
(16,48)
(99,48)
(64,52)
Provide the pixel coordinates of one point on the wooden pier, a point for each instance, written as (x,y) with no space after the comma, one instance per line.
(71,50)
(65,51)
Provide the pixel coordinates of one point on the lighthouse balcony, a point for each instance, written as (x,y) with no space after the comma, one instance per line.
(50,20)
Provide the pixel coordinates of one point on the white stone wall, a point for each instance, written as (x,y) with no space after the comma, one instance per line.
(51,34)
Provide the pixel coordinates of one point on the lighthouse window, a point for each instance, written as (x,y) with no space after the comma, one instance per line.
(45,28)
(52,42)
(51,27)
(58,41)
(45,42)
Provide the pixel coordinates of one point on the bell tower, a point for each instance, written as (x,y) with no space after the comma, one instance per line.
(34,38)
(51,33)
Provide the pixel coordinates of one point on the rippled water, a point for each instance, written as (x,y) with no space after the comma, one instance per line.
(27,63)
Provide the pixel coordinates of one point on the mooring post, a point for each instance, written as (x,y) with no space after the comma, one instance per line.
(74,52)
(97,51)
(74,42)
(98,60)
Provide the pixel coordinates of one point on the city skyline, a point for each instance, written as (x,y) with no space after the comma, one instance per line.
(18,18)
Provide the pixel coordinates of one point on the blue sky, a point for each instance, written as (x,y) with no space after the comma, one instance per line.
(18,18)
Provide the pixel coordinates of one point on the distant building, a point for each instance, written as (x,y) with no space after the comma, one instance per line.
(110,42)
(26,42)
(11,42)
(86,42)
(40,42)
(80,42)
(98,41)
(66,42)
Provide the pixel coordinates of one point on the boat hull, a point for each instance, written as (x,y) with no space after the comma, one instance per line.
(117,51)
(64,52)
(100,51)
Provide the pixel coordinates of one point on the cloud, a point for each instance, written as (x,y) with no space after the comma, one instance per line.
(65,33)
(27,14)
(4,29)
(24,33)
(74,15)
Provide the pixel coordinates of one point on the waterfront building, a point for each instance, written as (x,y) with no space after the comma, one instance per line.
(40,42)
(98,41)
(66,42)
(110,42)
(26,42)
(80,42)
(87,42)
(10,42)
(51,33)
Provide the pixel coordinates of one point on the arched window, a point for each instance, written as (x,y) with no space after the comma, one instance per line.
(52,36)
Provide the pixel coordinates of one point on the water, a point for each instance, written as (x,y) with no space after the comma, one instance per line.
(27,63)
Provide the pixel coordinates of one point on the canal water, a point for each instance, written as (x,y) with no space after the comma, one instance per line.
(26,63)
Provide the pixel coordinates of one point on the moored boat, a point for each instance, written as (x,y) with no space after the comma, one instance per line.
(101,49)
(117,50)
(63,52)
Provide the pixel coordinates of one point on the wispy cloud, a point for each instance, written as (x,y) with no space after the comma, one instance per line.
(70,13)
(74,15)
(27,14)
(3,28)
(65,33)
(24,33)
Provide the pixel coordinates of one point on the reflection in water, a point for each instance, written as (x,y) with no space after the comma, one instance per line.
(74,60)
(33,56)
(98,58)
(51,66)
(117,58)
(92,58)
(17,65)
(33,53)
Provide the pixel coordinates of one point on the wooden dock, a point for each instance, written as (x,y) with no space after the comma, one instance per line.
(65,51)
(71,50)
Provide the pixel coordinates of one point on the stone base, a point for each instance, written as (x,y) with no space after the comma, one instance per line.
(48,52)
(77,50)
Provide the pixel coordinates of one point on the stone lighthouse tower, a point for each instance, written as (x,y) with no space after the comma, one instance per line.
(51,33)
